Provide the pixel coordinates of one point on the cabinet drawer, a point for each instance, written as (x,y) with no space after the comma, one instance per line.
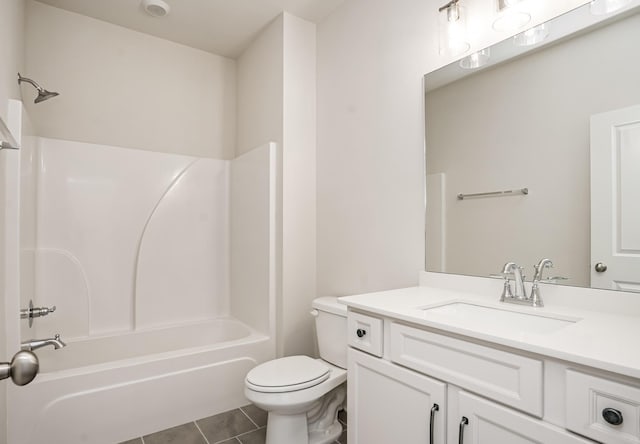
(506,377)
(491,423)
(365,333)
(590,399)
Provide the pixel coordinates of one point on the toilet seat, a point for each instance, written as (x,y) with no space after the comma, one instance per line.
(287,375)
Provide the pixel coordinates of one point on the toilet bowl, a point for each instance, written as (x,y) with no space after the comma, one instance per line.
(303,395)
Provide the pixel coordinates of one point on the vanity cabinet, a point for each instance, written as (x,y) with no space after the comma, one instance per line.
(420,382)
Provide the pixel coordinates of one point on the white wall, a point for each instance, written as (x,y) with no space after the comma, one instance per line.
(123,88)
(298,185)
(371,58)
(276,103)
(260,89)
(372,55)
(12,16)
(12,57)
(527,125)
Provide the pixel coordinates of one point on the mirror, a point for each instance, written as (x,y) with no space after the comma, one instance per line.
(530,120)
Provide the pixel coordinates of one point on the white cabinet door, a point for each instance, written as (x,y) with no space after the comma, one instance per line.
(490,423)
(615,197)
(389,404)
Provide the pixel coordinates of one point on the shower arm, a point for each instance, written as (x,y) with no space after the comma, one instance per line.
(32,82)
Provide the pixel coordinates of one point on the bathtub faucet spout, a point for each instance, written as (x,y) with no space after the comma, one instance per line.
(34,344)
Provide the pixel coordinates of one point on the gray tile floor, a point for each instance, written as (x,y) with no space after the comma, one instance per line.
(246,425)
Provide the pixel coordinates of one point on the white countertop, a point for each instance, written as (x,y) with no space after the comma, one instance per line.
(603,340)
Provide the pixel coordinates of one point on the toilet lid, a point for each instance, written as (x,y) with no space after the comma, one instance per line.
(287,374)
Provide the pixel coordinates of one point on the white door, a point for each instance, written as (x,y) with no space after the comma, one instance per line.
(389,404)
(484,422)
(615,199)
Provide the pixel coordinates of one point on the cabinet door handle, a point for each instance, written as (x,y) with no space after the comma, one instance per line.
(463,423)
(434,409)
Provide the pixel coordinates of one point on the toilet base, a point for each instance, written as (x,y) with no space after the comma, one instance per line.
(292,429)
(318,425)
(287,428)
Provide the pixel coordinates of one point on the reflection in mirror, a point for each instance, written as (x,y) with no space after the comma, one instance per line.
(563,121)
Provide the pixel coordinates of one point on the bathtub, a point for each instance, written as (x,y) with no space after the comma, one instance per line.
(114,388)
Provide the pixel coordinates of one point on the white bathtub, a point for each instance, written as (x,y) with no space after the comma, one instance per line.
(110,389)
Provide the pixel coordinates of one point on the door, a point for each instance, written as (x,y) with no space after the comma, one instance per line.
(484,422)
(390,404)
(615,199)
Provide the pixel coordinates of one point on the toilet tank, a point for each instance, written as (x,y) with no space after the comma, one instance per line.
(331,330)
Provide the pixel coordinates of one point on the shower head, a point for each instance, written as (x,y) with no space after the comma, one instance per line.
(43,94)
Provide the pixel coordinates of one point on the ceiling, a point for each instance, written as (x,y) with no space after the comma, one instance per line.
(223,27)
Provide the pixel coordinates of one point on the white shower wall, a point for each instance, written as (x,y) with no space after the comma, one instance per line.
(127,239)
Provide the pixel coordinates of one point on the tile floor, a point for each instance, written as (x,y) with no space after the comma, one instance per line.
(246,425)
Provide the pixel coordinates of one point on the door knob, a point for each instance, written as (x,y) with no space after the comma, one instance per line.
(22,368)
(601,267)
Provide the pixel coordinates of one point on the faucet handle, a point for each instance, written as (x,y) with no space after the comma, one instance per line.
(539,268)
(35,312)
(506,290)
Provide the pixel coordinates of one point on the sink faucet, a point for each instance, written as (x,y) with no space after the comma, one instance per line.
(519,295)
(34,344)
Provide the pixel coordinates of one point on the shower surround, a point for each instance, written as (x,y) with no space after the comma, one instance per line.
(162,270)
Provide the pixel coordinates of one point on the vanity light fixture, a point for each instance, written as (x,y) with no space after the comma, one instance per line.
(476,60)
(510,15)
(453,29)
(532,36)
(602,7)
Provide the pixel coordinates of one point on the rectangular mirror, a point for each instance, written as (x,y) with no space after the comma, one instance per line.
(552,132)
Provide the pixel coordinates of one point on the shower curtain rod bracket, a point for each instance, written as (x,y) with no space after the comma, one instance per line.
(7,141)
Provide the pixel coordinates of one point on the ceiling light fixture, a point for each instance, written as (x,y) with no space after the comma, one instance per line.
(510,16)
(532,36)
(602,7)
(453,29)
(156,8)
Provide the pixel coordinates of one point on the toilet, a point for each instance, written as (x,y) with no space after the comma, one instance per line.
(303,395)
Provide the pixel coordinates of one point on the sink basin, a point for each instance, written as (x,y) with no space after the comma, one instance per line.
(496,320)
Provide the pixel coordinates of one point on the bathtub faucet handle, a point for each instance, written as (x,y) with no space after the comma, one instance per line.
(35,312)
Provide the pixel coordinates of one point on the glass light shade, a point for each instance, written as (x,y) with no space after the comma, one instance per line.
(511,20)
(476,60)
(601,7)
(532,36)
(506,3)
(453,31)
